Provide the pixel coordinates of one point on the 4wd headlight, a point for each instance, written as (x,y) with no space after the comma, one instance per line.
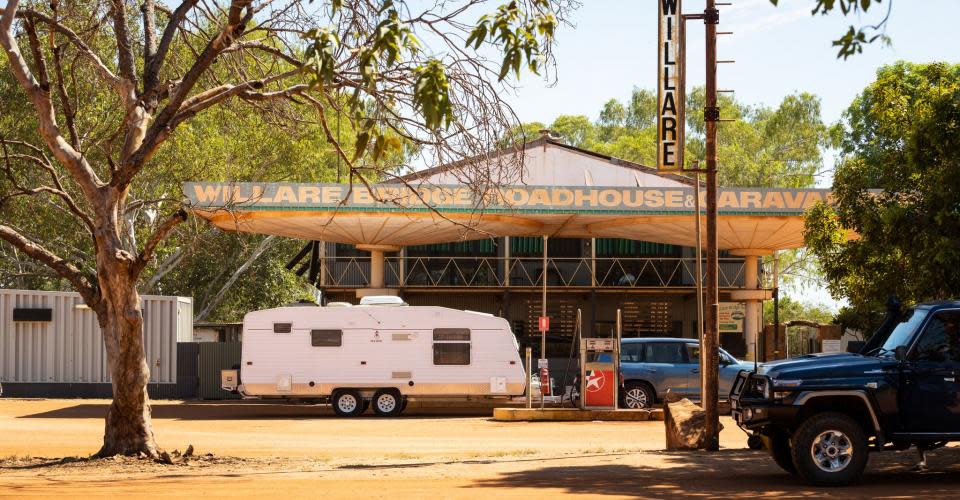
(760,386)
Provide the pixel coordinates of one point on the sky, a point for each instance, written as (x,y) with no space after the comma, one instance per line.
(611,48)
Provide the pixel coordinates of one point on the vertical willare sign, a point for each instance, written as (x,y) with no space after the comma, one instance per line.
(670,87)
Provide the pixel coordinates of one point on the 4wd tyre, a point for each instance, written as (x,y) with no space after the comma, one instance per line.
(387,403)
(830,449)
(637,396)
(779,447)
(347,403)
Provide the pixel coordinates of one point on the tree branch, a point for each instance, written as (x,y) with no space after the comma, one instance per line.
(75,163)
(152,66)
(147,253)
(239,14)
(127,64)
(63,268)
(105,73)
(44,164)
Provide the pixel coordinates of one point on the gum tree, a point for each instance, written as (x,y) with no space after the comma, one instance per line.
(106,83)
(896,187)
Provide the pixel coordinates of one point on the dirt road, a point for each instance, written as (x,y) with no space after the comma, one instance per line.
(296,451)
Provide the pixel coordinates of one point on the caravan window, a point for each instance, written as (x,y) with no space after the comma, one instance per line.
(451,346)
(282,327)
(326,338)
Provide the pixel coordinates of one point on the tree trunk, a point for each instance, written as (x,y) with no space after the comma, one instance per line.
(129,430)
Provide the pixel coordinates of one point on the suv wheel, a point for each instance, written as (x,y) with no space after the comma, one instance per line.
(637,396)
(830,449)
(778,445)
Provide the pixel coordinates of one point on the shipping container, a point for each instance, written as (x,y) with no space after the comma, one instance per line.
(54,338)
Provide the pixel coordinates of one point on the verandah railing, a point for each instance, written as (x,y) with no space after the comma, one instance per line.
(501,272)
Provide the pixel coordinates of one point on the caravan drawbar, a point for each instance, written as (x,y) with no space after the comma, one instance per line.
(376,355)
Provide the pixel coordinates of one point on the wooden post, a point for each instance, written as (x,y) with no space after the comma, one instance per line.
(710,346)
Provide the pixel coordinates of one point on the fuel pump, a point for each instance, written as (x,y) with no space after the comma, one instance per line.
(600,371)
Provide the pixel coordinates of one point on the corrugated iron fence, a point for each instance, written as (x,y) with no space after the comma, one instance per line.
(213,357)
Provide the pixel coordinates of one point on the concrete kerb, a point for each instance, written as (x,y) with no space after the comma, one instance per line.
(574,415)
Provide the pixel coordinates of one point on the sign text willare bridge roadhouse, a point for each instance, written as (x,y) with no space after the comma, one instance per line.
(271,196)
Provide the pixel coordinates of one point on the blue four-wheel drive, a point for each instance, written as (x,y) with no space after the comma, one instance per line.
(652,367)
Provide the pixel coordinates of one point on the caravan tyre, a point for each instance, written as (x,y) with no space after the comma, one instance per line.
(387,403)
(347,403)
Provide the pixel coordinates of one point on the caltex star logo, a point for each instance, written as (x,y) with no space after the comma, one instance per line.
(595,380)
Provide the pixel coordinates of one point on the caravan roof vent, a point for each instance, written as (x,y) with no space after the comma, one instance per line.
(382,300)
(339,304)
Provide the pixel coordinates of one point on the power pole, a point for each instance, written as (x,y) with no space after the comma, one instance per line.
(711,352)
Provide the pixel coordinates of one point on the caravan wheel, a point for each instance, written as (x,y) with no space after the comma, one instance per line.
(347,403)
(387,403)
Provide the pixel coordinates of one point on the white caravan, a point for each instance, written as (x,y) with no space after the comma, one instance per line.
(379,354)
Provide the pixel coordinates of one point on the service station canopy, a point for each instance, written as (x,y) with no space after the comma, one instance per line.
(400,215)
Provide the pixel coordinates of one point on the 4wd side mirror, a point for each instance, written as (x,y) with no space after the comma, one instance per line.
(900,353)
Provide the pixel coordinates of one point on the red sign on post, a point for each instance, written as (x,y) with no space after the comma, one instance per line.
(544,323)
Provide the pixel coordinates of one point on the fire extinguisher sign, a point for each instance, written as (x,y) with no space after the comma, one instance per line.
(545,381)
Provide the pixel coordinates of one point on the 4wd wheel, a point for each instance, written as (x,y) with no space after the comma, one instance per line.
(637,396)
(387,403)
(830,449)
(347,403)
(779,447)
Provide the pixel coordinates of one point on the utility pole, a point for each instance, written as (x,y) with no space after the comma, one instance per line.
(709,346)
(671,78)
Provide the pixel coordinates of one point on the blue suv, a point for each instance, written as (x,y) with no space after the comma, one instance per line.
(651,367)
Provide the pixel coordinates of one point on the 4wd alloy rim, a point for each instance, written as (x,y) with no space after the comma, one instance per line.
(636,398)
(832,451)
(347,403)
(386,403)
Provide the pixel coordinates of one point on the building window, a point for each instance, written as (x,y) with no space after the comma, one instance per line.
(451,346)
(282,327)
(326,338)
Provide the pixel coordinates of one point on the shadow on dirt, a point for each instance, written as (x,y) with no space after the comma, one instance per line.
(738,473)
(202,410)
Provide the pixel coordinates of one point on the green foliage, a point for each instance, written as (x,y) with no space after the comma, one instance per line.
(864,320)
(518,34)
(521,31)
(431,95)
(764,147)
(791,310)
(897,187)
(853,40)
(282,141)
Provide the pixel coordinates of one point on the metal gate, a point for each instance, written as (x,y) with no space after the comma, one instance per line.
(213,357)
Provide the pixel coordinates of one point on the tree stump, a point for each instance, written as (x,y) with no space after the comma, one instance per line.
(685,425)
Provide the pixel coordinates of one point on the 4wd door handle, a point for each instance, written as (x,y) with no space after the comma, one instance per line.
(651,370)
(695,370)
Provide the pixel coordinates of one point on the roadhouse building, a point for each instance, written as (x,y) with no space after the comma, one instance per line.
(618,236)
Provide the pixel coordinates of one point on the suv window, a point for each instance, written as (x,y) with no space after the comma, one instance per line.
(693,354)
(941,339)
(664,352)
(631,353)
(901,334)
